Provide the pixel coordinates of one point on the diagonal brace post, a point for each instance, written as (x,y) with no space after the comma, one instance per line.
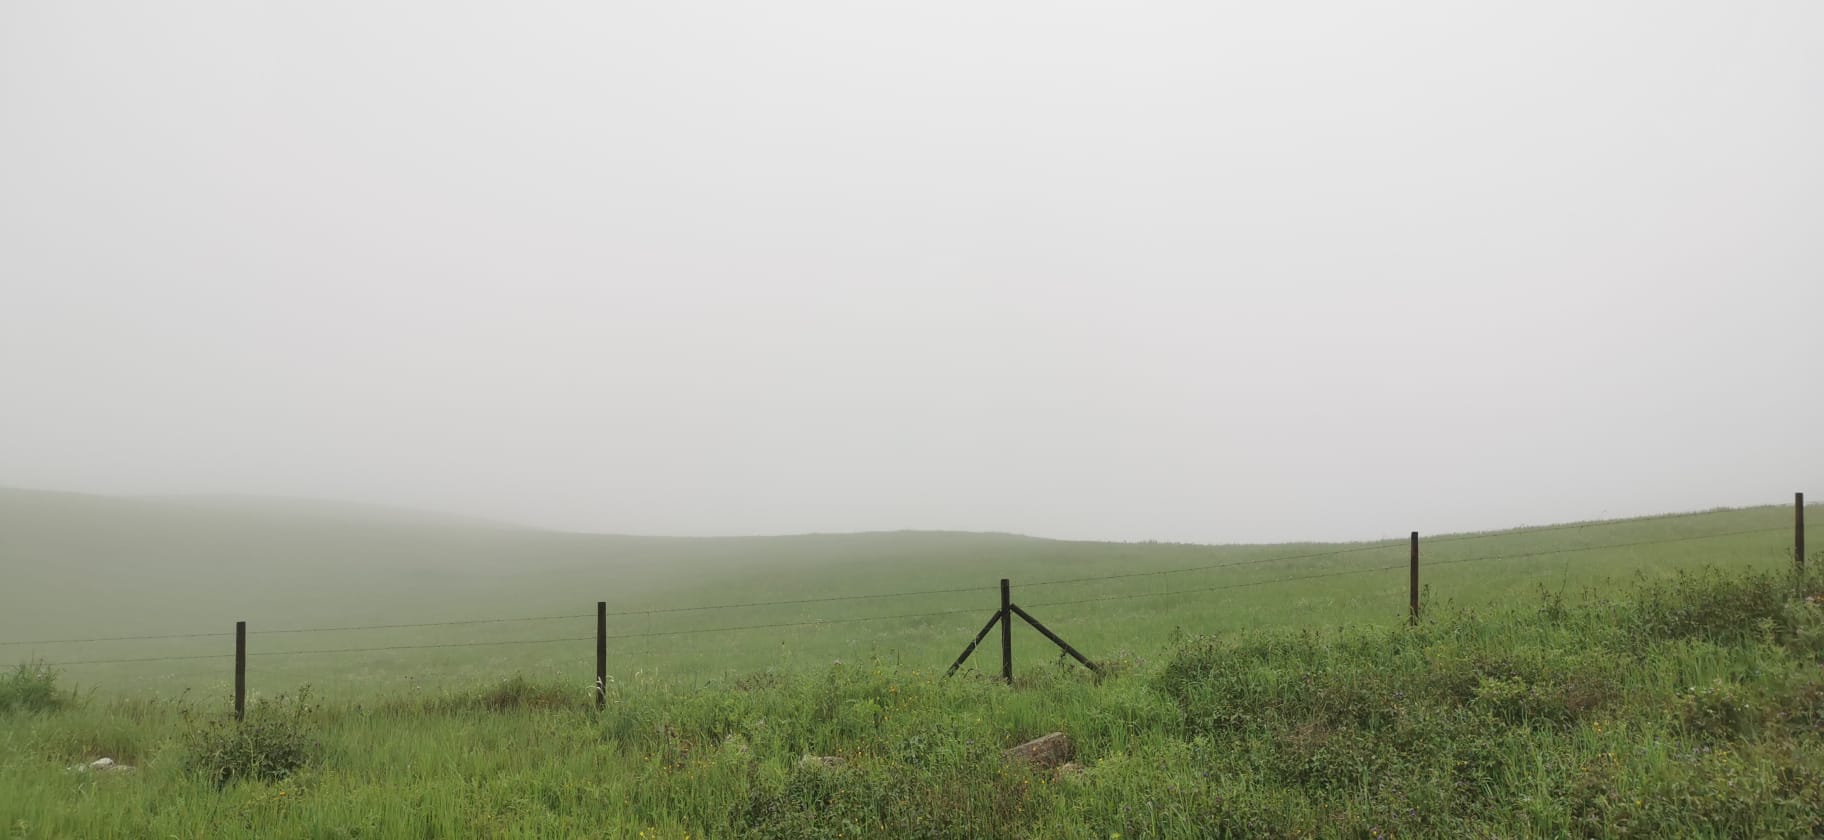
(998,615)
(1054,638)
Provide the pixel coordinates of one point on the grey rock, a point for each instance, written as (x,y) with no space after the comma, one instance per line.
(1047,751)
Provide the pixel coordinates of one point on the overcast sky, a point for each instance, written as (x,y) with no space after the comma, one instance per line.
(1185,271)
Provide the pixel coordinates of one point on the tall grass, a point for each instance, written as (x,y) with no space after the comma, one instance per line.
(1690,707)
(32,687)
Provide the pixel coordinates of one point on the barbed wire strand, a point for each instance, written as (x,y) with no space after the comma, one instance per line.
(117,639)
(657,611)
(686,632)
(1423,564)
(1201,589)
(1523,554)
(665,610)
(623,613)
(254,631)
(1572,526)
(1208,566)
(1360,549)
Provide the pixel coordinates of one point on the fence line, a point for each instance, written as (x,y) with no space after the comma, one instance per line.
(610,636)
(1601,547)
(1573,526)
(147,659)
(623,613)
(118,639)
(664,610)
(601,636)
(1397,566)
(1243,585)
(1086,579)
(420,624)
(954,590)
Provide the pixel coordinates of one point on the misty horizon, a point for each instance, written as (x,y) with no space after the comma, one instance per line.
(307,505)
(1189,273)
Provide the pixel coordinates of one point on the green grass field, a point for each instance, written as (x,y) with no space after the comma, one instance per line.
(1254,690)
(86,567)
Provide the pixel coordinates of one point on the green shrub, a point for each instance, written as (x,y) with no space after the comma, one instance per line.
(1567,718)
(32,687)
(1714,606)
(275,740)
(1803,628)
(1718,710)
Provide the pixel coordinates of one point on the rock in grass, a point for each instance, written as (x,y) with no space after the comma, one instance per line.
(102,765)
(1048,751)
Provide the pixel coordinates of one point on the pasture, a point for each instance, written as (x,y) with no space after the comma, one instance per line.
(87,567)
(1608,679)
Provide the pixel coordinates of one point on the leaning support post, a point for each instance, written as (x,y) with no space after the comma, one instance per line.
(1413,586)
(1006,633)
(601,655)
(971,648)
(240,670)
(1054,638)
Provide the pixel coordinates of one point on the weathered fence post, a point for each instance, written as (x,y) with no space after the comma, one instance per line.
(1798,532)
(1413,586)
(601,655)
(1006,632)
(240,670)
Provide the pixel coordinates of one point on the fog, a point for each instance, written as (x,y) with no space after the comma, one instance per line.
(1177,271)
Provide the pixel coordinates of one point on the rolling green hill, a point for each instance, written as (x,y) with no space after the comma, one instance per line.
(86,567)
(1568,680)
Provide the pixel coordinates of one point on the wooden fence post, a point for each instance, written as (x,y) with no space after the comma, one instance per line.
(1413,585)
(240,670)
(1006,632)
(601,655)
(1798,533)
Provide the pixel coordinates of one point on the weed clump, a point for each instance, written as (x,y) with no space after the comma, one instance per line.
(513,694)
(1716,607)
(1692,707)
(881,799)
(32,687)
(517,692)
(275,740)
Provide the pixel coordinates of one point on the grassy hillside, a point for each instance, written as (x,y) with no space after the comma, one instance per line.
(1694,708)
(81,567)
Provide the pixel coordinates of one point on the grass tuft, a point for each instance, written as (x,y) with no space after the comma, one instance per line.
(32,687)
(276,739)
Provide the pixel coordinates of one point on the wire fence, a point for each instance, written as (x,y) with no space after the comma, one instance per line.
(601,637)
